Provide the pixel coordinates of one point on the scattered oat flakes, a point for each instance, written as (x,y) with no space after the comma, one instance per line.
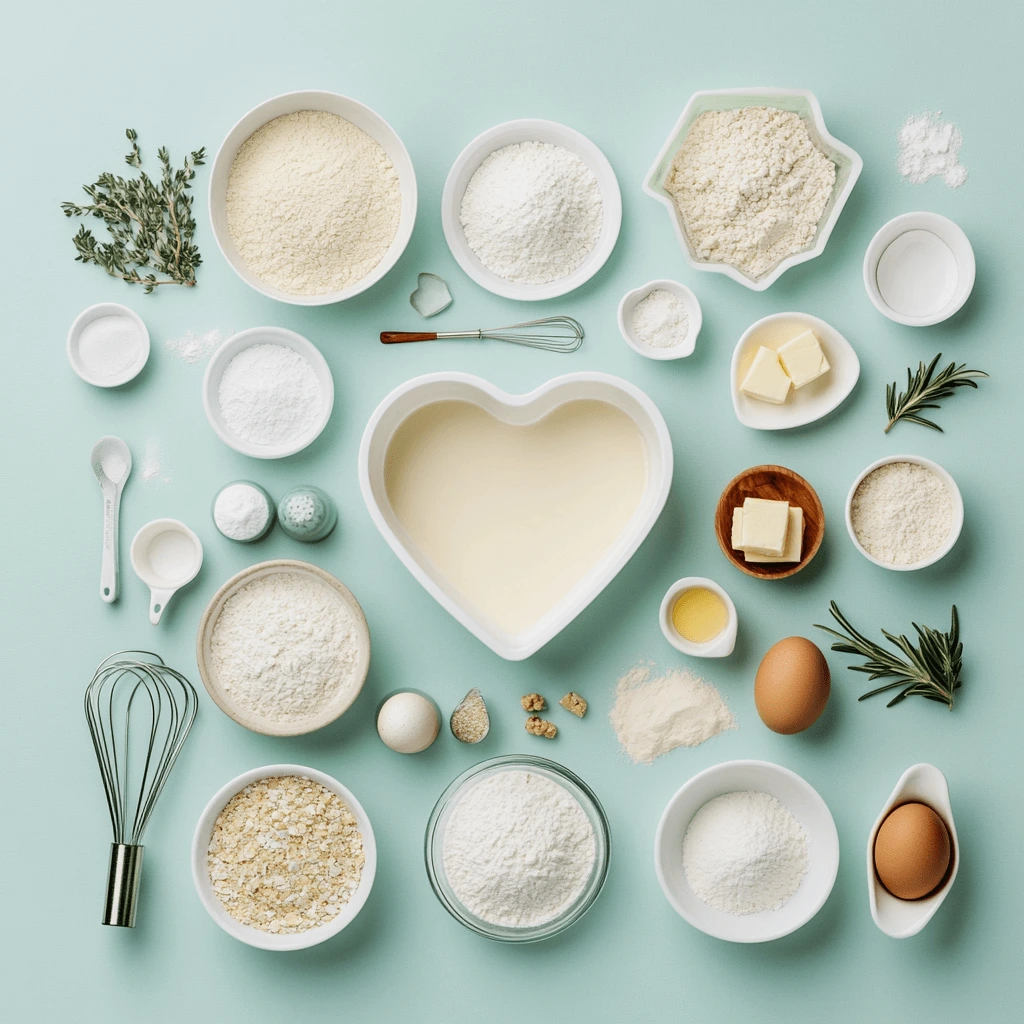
(533,702)
(539,727)
(285,855)
(573,702)
(470,722)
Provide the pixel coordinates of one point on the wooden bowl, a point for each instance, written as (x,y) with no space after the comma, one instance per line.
(775,483)
(244,716)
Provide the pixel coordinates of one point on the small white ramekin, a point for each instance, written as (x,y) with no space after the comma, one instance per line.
(693,312)
(85,318)
(955,497)
(254,936)
(508,134)
(720,646)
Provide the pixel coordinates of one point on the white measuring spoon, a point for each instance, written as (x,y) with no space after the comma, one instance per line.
(111,462)
(166,556)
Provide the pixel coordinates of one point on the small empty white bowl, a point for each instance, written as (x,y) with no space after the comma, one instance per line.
(720,646)
(254,936)
(955,497)
(508,134)
(899,919)
(352,111)
(266,336)
(803,803)
(693,312)
(166,555)
(919,269)
(803,405)
(133,364)
(799,101)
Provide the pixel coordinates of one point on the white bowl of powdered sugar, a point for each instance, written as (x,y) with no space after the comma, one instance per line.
(747,851)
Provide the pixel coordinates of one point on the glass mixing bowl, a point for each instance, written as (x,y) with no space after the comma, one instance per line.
(434,850)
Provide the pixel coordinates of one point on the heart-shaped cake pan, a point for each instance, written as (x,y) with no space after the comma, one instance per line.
(528,411)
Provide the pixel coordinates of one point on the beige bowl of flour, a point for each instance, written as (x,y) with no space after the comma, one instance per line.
(364,119)
(348,687)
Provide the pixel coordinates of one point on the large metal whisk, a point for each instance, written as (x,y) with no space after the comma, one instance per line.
(139,712)
(552,334)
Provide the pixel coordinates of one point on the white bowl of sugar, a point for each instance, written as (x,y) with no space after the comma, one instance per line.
(108,345)
(660,320)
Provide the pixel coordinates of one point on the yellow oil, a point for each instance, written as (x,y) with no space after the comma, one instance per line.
(699,615)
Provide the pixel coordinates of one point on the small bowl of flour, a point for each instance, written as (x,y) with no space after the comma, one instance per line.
(746,851)
(283,648)
(268,392)
(531,209)
(517,848)
(312,198)
(660,320)
(904,512)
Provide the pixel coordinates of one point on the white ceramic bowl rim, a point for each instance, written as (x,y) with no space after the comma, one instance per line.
(945,229)
(362,117)
(693,311)
(759,96)
(253,936)
(955,497)
(266,336)
(415,392)
(94,312)
(510,133)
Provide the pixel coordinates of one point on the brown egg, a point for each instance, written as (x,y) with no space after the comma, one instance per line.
(912,851)
(792,685)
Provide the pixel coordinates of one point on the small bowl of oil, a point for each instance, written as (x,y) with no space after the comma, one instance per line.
(698,618)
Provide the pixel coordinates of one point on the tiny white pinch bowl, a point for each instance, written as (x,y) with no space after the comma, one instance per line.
(955,497)
(253,936)
(803,405)
(900,919)
(799,101)
(803,802)
(521,410)
(946,230)
(265,336)
(693,312)
(362,117)
(508,134)
(86,317)
(720,646)
(161,590)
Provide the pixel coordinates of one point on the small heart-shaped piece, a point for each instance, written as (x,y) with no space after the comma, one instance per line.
(431,295)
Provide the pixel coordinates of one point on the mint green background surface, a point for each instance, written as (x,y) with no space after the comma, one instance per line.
(76,75)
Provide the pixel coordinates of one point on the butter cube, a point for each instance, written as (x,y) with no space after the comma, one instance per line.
(766,380)
(737,527)
(764,526)
(794,540)
(803,359)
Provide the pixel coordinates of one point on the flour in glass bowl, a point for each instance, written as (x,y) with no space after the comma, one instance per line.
(269,395)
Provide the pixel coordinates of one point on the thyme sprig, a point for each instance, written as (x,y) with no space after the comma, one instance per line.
(931,670)
(925,389)
(149,222)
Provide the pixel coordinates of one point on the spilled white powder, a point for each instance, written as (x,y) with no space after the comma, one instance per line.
(744,853)
(152,470)
(532,212)
(652,716)
(660,320)
(269,394)
(902,513)
(930,148)
(518,849)
(192,346)
(285,646)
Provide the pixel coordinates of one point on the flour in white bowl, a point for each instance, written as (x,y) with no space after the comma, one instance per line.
(518,849)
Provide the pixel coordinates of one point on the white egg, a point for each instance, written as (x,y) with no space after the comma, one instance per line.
(408,723)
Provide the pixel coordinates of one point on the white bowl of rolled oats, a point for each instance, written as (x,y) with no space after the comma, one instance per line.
(283,857)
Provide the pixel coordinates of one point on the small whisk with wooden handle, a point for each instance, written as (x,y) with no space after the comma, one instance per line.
(139,712)
(552,334)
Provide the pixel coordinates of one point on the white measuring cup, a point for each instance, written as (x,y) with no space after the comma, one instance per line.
(166,555)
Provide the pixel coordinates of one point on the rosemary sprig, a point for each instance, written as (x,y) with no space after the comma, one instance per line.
(925,389)
(931,670)
(149,222)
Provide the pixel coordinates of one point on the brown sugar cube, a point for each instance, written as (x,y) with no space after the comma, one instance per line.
(538,727)
(573,702)
(533,702)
